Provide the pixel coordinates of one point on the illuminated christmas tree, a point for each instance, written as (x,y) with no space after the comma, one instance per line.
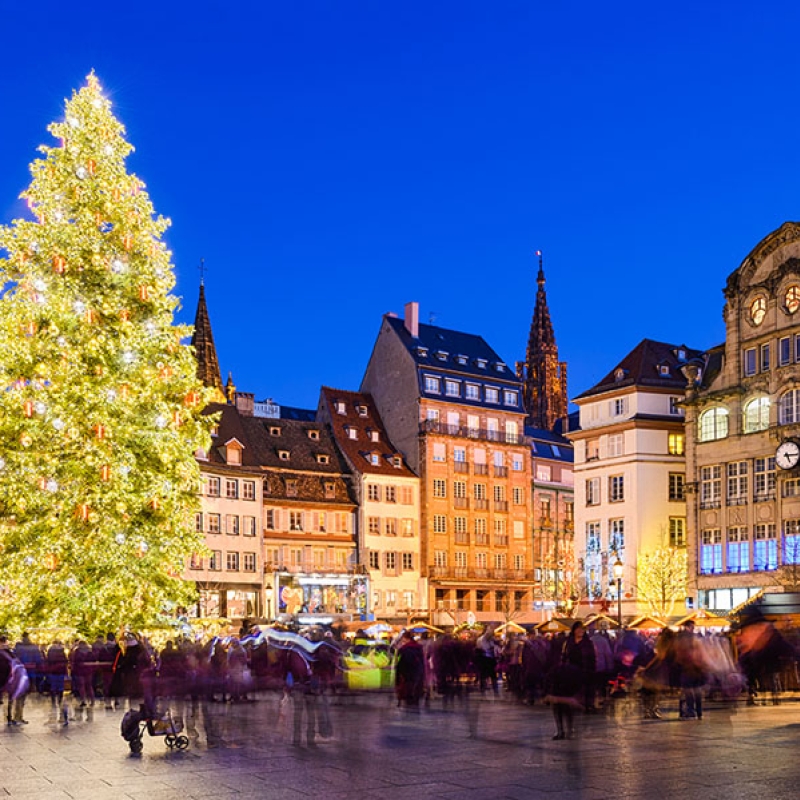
(661,579)
(100,403)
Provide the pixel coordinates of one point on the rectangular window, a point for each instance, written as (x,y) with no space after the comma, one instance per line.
(374,525)
(270,519)
(677,486)
(518,496)
(473,391)
(737,483)
(592,449)
(480,531)
(291,487)
(797,348)
(616,536)
(195,562)
(214,523)
(675,407)
(390,494)
(517,462)
(408,562)
(390,526)
(439,487)
(481,560)
(711,551)
(593,492)
(479,491)
(249,526)
(390,559)
(231,489)
(212,487)
(765,547)
(616,488)
(249,562)
(232,562)
(460,455)
(519,529)
(452,388)
(440,558)
(373,492)
(499,493)
(492,395)
(407,495)
(374,559)
(460,489)
(675,444)
(619,406)
(750,361)
(543,473)
(593,537)
(791,541)
(500,561)
(431,384)
(510,398)
(791,487)
(198,522)
(460,559)
(295,520)
(738,555)
(763,479)
(215,562)
(232,524)
(677,532)
(407,526)
(765,357)
(439,452)
(615,445)
(519,562)
(785,350)
(710,486)
(248,490)
(439,523)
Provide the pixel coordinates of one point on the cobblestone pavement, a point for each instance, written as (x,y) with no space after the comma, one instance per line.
(484,748)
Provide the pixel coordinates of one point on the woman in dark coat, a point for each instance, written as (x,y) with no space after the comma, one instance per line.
(409,673)
(570,678)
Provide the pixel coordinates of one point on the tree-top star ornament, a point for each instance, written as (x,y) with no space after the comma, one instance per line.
(100,406)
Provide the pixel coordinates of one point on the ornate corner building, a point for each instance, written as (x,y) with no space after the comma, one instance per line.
(742,433)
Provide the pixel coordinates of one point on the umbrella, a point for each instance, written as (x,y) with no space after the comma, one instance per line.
(423,627)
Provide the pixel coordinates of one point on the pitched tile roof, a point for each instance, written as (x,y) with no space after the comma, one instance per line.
(354,414)
(641,367)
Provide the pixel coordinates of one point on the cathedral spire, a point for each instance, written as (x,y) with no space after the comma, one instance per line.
(203,342)
(544,376)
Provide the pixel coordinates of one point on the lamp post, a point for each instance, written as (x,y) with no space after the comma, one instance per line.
(268,595)
(619,568)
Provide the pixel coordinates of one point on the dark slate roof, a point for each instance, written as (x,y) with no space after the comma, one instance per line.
(573,423)
(712,366)
(641,368)
(547,444)
(303,414)
(229,427)
(361,415)
(455,344)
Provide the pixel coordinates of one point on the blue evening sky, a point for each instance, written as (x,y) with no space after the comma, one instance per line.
(332,161)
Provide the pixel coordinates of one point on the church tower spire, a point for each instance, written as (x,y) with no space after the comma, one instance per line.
(543,375)
(203,343)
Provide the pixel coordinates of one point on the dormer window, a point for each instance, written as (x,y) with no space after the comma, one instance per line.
(215,430)
(461,359)
(500,366)
(274,431)
(481,363)
(201,454)
(663,370)
(352,433)
(374,459)
(313,435)
(442,355)
(233,452)
(323,458)
(374,436)
(283,455)
(422,352)
(291,488)
(330,490)
(340,409)
(680,353)
(397,462)
(362,411)
(619,374)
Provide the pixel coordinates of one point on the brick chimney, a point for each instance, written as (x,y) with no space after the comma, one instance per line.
(412,319)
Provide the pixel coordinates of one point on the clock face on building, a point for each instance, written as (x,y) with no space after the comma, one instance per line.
(792,299)
(758,310)
(787,456)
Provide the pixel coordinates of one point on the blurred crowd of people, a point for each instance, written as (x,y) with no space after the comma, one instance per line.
(576,671)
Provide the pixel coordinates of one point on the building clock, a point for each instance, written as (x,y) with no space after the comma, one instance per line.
(787,456)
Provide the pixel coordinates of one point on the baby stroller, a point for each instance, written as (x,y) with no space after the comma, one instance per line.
(156,723)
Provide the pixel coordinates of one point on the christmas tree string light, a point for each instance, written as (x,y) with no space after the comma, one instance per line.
(98,485)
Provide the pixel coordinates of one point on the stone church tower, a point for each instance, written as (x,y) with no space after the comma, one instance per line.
(543,375)
(204,350)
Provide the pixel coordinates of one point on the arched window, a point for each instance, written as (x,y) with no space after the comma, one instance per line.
(789,407)
(713,424)
(756,415)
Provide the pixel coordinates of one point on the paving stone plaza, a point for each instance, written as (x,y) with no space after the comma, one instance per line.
(484,748)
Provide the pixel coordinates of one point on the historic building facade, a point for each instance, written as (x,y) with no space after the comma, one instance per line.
(387,494)
(742,433)
(630,470)
(454,410)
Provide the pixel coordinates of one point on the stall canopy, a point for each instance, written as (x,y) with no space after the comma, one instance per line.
(704,619)
(647,623)
(555,625)
(510,627)
(600,622)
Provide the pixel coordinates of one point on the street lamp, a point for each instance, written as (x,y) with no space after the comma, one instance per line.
(619,568)
(268,594)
